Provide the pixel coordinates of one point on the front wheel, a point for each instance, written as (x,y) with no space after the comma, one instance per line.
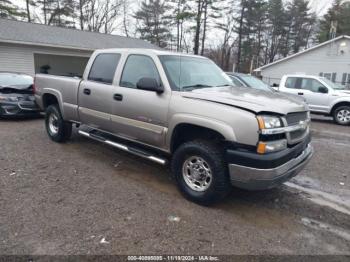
(341,115)
(57,129)
(201,172)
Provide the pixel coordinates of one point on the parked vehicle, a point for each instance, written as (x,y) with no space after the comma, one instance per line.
(322,95)
(17,95)
(244,80)
(165,106)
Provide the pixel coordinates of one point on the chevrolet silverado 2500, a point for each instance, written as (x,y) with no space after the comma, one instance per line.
(183,110)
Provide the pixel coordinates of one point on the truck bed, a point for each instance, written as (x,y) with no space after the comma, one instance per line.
(64,88)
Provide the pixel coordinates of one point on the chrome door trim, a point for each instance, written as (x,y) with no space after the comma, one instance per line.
(139,124)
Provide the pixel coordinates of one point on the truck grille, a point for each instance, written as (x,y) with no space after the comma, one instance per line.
(294,119)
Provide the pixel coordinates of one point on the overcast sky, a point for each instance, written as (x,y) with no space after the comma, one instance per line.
(319,6)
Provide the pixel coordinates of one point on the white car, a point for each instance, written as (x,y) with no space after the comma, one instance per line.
(322,95)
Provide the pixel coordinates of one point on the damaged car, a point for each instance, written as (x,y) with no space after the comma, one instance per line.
(17,95)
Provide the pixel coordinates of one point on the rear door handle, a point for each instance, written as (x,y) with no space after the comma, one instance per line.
(300,93)
(87,91)
(118,97)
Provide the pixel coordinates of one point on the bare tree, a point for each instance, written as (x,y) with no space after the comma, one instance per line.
(100,15)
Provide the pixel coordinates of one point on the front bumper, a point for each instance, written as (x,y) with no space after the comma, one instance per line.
(22,108)
(267,171)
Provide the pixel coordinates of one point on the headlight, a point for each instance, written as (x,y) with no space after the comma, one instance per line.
(271,146)
(268,122)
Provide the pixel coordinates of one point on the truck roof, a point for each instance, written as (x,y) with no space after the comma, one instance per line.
(146,51)
(302,75)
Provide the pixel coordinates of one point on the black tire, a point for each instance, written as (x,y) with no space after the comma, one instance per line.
(211,153)
(64,128)
(336,113)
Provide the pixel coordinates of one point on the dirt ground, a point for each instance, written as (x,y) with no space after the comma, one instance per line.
(83,197)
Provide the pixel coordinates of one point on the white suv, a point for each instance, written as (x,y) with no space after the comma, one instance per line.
(322,95)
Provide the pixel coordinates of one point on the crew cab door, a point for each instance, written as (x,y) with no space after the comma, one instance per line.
(95,91)
(140,115)
(314,92)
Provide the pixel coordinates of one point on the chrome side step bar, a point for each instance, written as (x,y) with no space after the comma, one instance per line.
(126,148)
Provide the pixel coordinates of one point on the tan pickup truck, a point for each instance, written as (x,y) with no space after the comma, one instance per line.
(182,110)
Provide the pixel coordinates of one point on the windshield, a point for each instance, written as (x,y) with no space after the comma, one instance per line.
(333,85)
(189,73)
(15,80)
(255,83)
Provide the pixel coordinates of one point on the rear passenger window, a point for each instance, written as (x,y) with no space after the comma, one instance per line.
(137,67)
(103,68)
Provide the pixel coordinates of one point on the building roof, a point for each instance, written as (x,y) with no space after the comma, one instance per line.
(43,35)
(303,52)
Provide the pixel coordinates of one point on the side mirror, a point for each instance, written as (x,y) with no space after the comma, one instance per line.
(323,90)
(149,84)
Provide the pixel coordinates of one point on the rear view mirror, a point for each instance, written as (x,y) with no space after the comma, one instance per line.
(323,90)
(149,84)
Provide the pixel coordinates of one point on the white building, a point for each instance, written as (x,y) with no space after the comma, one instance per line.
(33,48)
(330,59)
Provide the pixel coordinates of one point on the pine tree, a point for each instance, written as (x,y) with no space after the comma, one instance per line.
(276,23)
(181,12)
(301,21)
(339,15)
(153,22)
(250,28)
(239,29)
(9,10)
(62,13)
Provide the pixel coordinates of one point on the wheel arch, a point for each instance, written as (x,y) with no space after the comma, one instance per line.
(50,98)
(338,104)
(183,131)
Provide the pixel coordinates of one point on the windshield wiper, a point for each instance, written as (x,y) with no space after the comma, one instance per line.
(195,86)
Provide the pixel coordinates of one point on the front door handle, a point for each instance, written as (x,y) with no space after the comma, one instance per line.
(87,91)
(118,97)
(301,93)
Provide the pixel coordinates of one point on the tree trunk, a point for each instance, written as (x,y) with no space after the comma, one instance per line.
(45,11)
(198,28)
(204,26)
(240,31)
(124,19)
(81,14)
(28,11)
(178,25)
(181,35)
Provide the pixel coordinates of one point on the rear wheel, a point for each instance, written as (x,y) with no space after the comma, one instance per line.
(341,115)
(57,129)
(201,172)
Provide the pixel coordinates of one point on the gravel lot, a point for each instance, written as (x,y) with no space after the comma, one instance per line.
(83,197)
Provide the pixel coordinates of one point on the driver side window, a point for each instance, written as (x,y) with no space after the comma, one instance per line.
(137,67)
(312,85)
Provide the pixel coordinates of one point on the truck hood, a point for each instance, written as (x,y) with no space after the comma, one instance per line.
(345,92)
(248,98)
